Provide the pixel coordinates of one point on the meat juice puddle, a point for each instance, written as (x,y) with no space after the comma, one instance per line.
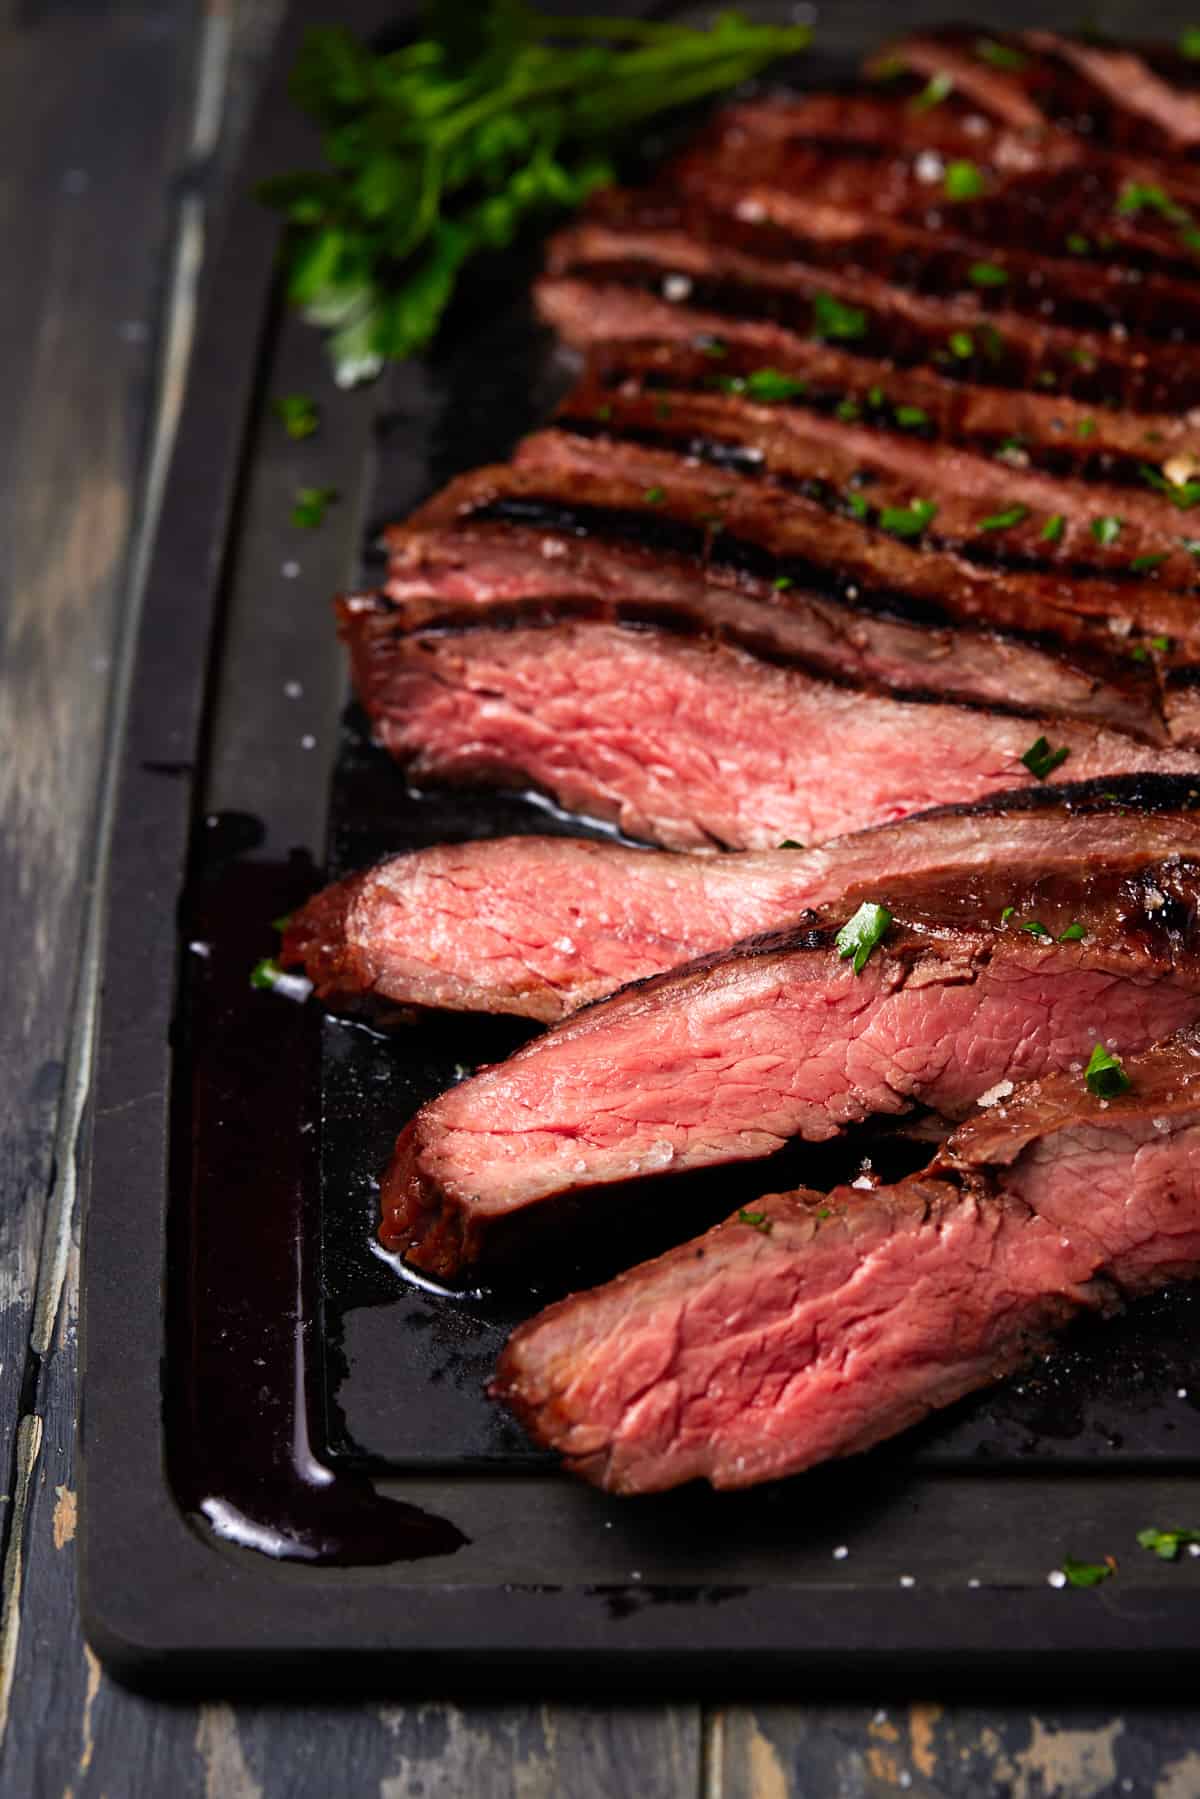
(240,1442)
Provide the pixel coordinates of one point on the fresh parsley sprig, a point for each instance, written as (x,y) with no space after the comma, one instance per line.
(447,146)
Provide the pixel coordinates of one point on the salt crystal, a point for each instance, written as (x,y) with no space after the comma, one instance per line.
(840,1553)
(974,1583)
(308,741)
(864,1183)
(929,166)
(751,210)
(290,570)
(1056,1578)
(552,547)
(1181,1392)
(677,287)
(995,1094)
(907,1580)
(292,689)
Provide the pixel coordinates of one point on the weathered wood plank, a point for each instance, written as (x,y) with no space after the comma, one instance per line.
(88,116)
(929,1751)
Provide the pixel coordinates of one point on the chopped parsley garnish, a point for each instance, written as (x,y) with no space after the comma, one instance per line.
(987,274)
(1077,244)
(911,418)
(1041,760)
(654,496)
(847,411)
(282,922)
(876,397)
(1053,528)
(312,503)
(1189,43)
(962,344)
(265,974)
(938,88)
(1086,427)
(1083,358)
(1001,56)
(790,843)
(714,347)
(1087,1574)
(963,181)
(857,504)
(440,149)
(859,936)
(603,413)
(1074,933)
(831,319)
(1007,914)
(781,583)
(757,1221)
(1182,494)
(1161,644)
(299,414)
(1003,521)
(1105,1073)
(1035,927)
(770,385)
(1191,545)
(910,520)
(824,1212)
(1166,1544)
(1106,530)
(1145,565)
(1145,196)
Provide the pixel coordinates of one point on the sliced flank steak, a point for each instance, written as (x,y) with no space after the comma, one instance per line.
(538,926)
(993,509)
(798,1034)
(446,576)
(675,502)
(810,1326)
(693,744)
(995,344)
(1053,428)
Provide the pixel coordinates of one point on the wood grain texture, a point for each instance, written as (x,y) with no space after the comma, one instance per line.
(95,104)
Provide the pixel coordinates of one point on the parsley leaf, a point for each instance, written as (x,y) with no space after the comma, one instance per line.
(443,148)
(962,344)
(1035,927)
(1166,1544)
(757,1221)
(312,503)
(911,418)
(963,181)
(299,414)
(1074,933)
(938,88)
(831,319)
(265,974)
(1053,528)
(1182,494)
(1105,1073)
(1106,530)
(1145,565)
(910,520)
(1189,43)
(1001,521)
(1086,1574)
(654,496)
(770,385)
(781,583)
(860,934)
(1041,760)
(790,843)
(1001,56)
(987,274)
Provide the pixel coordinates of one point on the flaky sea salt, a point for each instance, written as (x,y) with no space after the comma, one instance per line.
(995,1094)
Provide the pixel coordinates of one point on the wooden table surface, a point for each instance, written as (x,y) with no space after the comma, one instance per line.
(119,125)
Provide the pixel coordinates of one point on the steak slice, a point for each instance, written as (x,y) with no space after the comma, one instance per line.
(456,575)
(687,743)
(849,464)
(812,1326)
(594,314)
(728,1058)
(996,344)
(538,926)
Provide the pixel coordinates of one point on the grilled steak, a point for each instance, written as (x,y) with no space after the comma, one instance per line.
(727,1058)
(537,926)
(811,1326)
(688,743)
(448,576)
